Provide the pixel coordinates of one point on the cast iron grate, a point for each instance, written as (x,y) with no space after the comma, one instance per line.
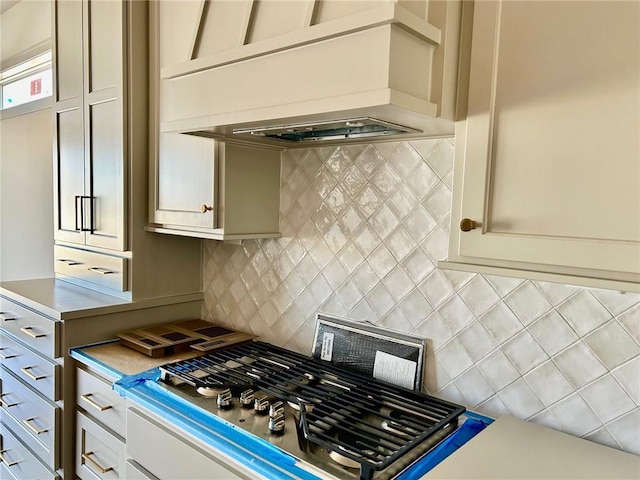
(368,421)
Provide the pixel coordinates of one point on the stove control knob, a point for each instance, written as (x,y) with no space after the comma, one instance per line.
(261,405)
(224,400)
(276,425)
(247,398)
(276,409)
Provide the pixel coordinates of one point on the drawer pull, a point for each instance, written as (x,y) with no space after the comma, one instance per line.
(68,262)
(26,371)
(101,270)
(6,357)
(7,404)
(27,422)
(28,331)
(87,458)
(6,316)
(87,398)
(7,462)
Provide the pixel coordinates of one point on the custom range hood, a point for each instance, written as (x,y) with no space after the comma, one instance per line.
(289,73)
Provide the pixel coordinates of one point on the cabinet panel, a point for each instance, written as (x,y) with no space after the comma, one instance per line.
(163,453)
(100,455)
(185,180)
(69,171)
(37,420)
(548,105)
(42,374)
(106,175)
(40,333)
(96,269)
(104,44)
(100,401)
(68,59)
(18,460)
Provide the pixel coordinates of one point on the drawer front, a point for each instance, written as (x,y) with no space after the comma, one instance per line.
(38,332)
(99,454)
(18,461)
(133,471)
(95,268)
(35,419)
(35,370)
(97,398)
(166,455)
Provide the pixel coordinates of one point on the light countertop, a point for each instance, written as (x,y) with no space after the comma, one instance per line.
(515,449)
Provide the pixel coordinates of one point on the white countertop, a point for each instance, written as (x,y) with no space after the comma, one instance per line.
(514,449)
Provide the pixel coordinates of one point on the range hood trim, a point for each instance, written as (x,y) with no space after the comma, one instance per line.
(387,14)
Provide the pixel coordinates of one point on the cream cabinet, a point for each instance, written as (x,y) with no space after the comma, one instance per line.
(48,409)
(90,121)
(101,157)
(202,187)
(547,162)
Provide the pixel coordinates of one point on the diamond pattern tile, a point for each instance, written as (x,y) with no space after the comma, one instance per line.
(363,226)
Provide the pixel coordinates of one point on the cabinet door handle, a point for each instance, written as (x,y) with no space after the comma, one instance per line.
(204,208)
(7,462)
(6,357)
(87,398)
(33,377)
(6,316)
(37,431)
(100,270)
(6,404)
(69,262)
(27,331)
(87,458)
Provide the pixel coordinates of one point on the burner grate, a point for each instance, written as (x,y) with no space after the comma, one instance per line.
(367,421)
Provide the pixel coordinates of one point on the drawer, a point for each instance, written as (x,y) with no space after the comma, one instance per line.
(156,447)
(133,471)
(40,333)
(32,417)
(35,370)
(99,454)
(18,461)
(97,398)
(92,267)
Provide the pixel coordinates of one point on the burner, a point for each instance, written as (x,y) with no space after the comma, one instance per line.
(210,391)
(350,443)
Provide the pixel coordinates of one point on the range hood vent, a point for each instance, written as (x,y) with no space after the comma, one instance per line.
(351,128)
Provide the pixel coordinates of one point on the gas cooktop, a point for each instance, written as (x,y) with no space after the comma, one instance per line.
(345,423)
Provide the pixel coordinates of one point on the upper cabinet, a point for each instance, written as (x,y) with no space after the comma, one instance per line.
(101,156)
(90,120)
(547,168)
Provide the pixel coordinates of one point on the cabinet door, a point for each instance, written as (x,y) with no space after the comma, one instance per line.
(68,122)
(105,123)
(184,166)
(547,161)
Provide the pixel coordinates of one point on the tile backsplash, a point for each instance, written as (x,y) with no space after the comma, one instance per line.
(362,229)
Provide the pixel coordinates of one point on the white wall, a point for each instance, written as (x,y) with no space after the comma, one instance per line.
(26,170)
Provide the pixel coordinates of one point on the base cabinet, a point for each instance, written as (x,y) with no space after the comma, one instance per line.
(68,420)
(168,453)
(99,453)
(16,460)
(547,159)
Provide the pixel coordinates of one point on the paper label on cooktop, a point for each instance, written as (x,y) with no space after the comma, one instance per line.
(327,346)
(395,370)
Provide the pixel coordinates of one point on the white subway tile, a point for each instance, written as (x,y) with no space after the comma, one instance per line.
(479,295)
(630,320)
(477,341)
(579,364)
(415,307)
(503,285)
(574,416)
(404,159)
(501,322)
(456,314)
(527,303)
(436,288)
(601,340)
(454,358)
(584,313)
(628,375)
(607,398)
(552,332)
(417,265)
(521,401)
(435,331)
(497,369)
(548,382)
(625,430)
(473,387)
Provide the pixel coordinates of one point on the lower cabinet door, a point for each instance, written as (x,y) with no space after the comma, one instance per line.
(133,471)
(17,461)
(99,454)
